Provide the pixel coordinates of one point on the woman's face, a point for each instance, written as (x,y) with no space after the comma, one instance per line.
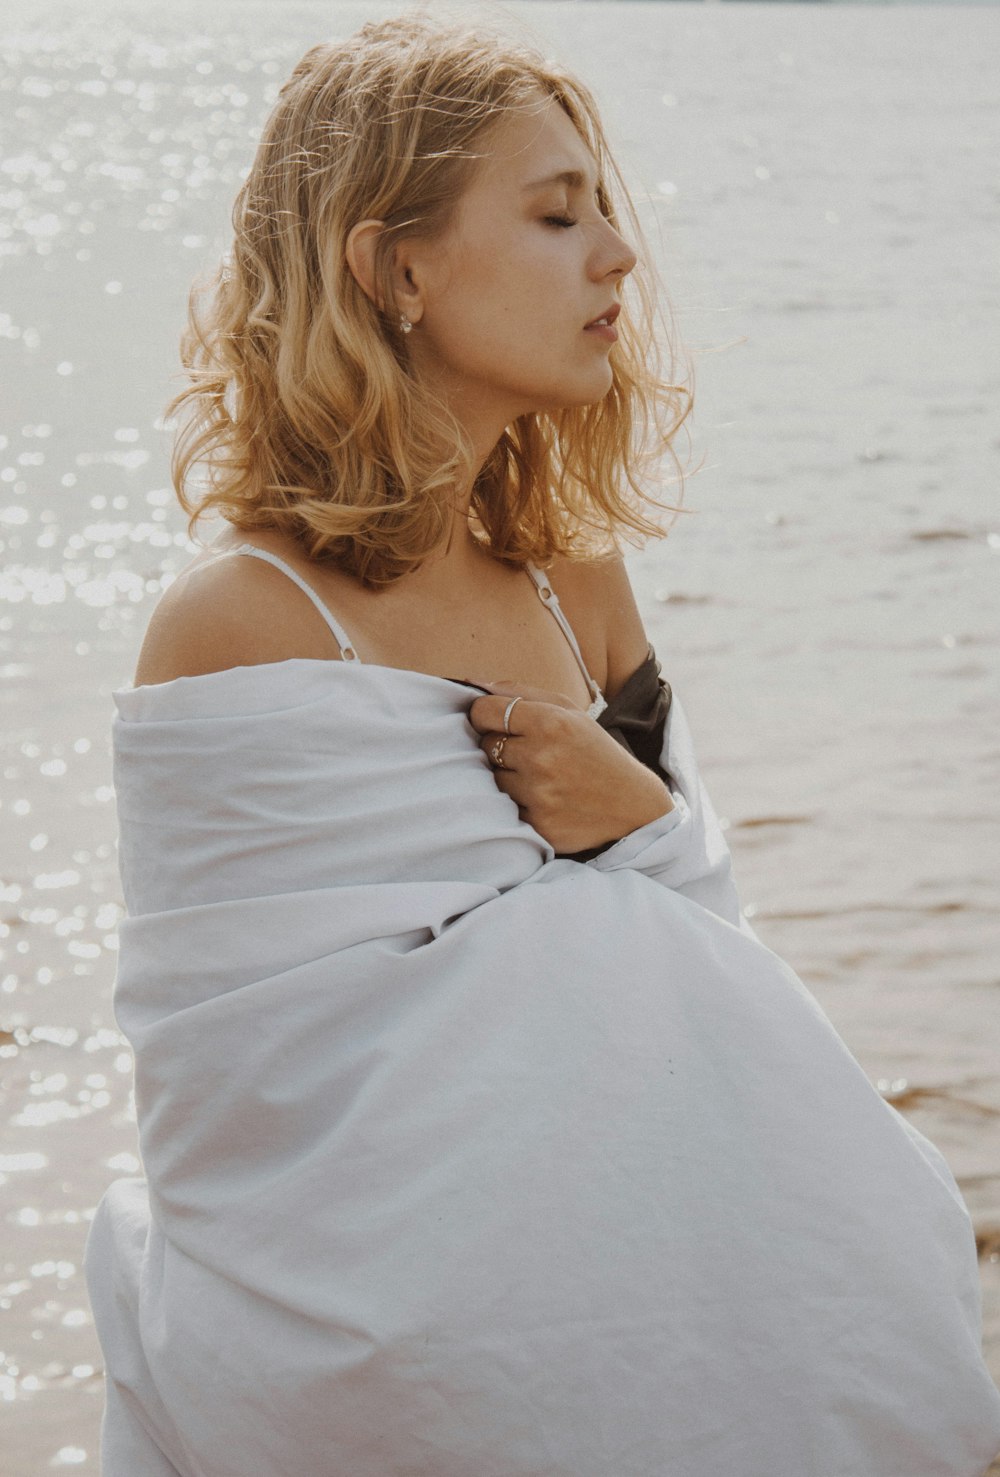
(524,267)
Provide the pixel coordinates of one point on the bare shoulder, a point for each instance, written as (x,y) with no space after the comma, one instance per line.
(230,612)
(601,607)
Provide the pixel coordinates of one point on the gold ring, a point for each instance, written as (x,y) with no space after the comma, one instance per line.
(496,752)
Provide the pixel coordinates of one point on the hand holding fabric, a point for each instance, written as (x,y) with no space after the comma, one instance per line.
(568,777)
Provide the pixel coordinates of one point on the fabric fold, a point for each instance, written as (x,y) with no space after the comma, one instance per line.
(464,1158)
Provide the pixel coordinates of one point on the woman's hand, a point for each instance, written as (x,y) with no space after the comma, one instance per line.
(569,778)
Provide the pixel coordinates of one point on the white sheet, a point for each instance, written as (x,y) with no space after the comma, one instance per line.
(463,1160)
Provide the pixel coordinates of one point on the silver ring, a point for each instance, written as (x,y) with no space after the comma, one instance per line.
(506,716)
(496,752)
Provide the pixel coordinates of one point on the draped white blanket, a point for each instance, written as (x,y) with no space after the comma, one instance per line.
(463,1160)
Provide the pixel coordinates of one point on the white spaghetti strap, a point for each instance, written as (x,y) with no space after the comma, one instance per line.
(347,649)
(549,598)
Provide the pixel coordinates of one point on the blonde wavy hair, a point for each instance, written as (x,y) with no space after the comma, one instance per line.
(301,413)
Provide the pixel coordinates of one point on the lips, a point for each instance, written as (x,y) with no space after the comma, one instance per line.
(608,316)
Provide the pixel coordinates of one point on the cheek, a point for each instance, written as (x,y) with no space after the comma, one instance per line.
(521,274)
(506,305)
(483,320)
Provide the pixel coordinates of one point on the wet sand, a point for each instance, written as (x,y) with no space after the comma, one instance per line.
(819,184)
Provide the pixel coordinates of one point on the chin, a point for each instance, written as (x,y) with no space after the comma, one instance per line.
(566,399)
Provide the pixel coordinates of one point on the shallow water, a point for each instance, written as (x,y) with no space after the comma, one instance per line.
(820,185)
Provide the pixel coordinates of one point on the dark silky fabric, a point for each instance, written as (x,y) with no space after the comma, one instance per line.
(636,717)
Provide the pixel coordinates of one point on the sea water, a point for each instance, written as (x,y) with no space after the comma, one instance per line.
(818,184)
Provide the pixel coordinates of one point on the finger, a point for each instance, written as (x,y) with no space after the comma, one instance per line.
(507,782)
(513,787)
(508,755)
(486,714)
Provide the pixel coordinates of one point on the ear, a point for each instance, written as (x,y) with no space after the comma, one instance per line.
(360,252)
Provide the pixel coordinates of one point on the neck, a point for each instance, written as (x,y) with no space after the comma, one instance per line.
(462,554)
(484,419)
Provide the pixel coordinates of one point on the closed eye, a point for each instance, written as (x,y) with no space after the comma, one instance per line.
(559,220)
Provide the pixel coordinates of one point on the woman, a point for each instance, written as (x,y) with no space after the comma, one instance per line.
(481,1134)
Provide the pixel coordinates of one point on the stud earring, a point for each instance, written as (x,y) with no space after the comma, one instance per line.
(405,323)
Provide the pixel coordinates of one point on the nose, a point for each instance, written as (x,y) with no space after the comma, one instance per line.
(629,256)
(618,257)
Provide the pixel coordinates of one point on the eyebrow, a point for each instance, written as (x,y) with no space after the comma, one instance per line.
(572,177)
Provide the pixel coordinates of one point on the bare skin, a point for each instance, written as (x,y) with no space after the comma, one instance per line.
(569,778)
(499,311)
